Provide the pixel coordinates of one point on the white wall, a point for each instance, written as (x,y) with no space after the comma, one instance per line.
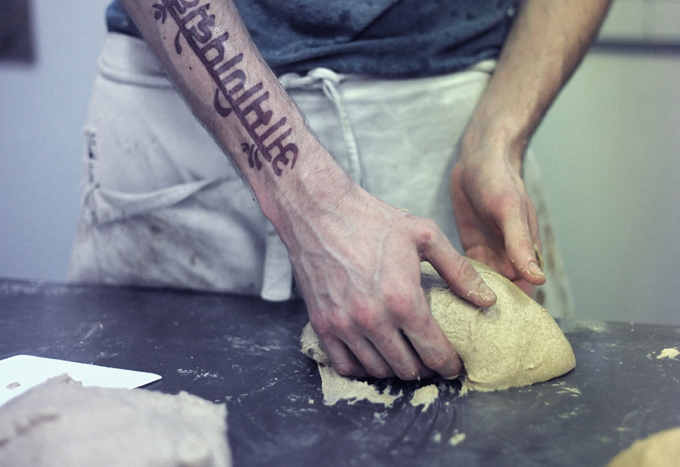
(609,149)
(610,154)
(42,111)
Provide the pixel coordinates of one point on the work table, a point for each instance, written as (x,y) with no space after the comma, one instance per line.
(244,352)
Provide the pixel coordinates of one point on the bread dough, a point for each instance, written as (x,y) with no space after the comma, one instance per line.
(659,450)
(513,343)
(61,422)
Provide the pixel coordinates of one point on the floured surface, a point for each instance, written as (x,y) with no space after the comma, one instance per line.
(61,422)
(659,450)
(513,343)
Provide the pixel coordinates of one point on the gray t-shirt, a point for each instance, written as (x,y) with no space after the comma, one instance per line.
(384,38)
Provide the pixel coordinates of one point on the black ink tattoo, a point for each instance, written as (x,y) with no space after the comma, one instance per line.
(270,137)
(253,155)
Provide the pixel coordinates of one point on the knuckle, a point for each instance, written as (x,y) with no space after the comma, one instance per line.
(526,244)
(511,206)
(366,324)
(407,372)
(347,368)
(415,318)
(380,371)
(400,303)
(322,328)
(336,326)
(326,331)
(463,267)
(428,231)
(436,360)
(341,325)
(366,317)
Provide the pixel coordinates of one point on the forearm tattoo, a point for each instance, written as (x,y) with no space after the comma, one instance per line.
(233,94)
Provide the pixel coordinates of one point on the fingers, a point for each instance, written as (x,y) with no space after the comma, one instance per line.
(523,244)
(456,271)
(432,346)
(526,286)
(389,354)
(420,348)
(342,359)
(364,359)
(410,345)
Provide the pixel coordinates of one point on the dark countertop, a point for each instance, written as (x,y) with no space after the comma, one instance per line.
(245,352)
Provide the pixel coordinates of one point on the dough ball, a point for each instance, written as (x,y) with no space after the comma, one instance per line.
(513,343)
(659,450)
(61,422)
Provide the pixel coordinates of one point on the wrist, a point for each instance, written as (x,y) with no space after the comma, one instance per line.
(495,137)
(316,185)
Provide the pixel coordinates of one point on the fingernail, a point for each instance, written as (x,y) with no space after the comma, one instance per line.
(539,256)
(487,293)
(534,270)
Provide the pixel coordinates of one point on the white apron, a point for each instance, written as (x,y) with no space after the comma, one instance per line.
(163,207)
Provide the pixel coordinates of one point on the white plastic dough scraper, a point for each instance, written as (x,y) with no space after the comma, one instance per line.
(22,372)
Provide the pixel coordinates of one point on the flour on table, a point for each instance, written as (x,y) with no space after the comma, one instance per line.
(60,422)
(457,438)
(669,353)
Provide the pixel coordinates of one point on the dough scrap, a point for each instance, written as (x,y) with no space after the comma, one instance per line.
(336,387)
(659,450)
(513,343)
(60,422)
(671,352)
(425,396)
(457,438)
(311,346)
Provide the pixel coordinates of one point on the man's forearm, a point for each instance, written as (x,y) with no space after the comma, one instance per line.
(209,56)
(546,44)
(496,219)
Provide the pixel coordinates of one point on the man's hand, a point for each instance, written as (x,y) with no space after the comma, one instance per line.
(496,219)
(357,262)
